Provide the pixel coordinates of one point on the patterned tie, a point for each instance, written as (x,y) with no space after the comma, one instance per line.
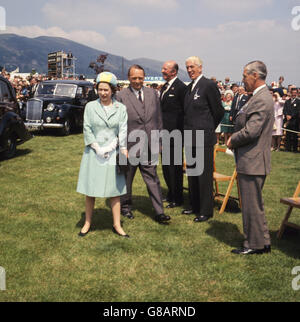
(163,89)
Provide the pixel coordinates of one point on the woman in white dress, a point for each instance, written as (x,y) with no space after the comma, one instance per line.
(277,129)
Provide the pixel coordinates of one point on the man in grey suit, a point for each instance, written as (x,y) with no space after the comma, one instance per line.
(144,114)
(252,145)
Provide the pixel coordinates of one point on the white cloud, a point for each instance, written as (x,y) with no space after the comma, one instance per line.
(86,14)
(87,37)
(230,6)
(128,32)
(154,4)
(225,49)
(92,14)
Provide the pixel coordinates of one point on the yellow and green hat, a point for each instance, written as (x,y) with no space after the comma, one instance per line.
(107,77)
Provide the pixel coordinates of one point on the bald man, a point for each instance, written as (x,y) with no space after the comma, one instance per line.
(172,100)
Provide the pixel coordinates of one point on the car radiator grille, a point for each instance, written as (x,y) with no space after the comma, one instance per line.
(34,110)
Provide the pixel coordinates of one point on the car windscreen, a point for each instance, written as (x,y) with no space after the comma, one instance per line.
(68,90)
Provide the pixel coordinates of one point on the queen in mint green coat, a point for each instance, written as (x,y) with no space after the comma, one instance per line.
(98,176)
(105,131)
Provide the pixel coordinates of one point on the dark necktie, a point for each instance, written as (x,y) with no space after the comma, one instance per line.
(140,97)
(192,84)
(163,89)
(238,102)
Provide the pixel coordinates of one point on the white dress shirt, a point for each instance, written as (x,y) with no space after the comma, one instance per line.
(137,93)
(170,83)
(258,89)
(196,81)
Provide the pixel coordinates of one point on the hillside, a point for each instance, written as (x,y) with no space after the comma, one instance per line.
(27,53)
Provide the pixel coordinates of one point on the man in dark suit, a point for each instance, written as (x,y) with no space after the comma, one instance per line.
(291,112)
(172,101)
(144,115)
(239,100)
(252,146)
(203,110)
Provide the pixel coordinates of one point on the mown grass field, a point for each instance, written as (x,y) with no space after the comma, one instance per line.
(45,260)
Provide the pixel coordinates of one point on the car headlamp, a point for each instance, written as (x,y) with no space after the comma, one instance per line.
(50,107)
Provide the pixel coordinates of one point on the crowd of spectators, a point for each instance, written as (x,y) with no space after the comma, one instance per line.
(24,86)
(286,102)
(233,97)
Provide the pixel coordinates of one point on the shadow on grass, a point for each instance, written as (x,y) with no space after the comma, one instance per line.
(143,205)
(19,153)
(229,234)
(55,132)
(226,233)
(289,244)
(185,195)
(102,217)
(102,220)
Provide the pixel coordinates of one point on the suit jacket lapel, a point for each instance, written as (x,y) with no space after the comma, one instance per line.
(136,104)
(165,95)
(253,98)
(172,87)
(99,111)
(190,95)
(112,111)
(147,106)
(160,96)
(187,96)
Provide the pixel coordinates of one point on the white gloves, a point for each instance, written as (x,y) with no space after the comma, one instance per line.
(103,152)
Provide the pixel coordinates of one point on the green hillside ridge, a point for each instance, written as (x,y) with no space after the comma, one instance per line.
(28,53)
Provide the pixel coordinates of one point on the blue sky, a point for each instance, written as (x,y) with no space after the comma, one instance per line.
(225,34)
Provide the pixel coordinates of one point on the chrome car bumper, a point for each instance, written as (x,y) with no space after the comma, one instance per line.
(39,126)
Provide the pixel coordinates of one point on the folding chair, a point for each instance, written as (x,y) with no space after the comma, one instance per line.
(219,177)
(293,202)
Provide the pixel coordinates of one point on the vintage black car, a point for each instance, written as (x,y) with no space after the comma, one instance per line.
(57,104)
(12,128)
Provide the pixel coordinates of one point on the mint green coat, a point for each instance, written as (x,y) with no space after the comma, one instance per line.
(98,176)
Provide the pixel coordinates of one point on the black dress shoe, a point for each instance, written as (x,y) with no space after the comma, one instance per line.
(251,251)
(267,249)
(187,211)
(162,218)
(114,231)
(128,214)
(173,205)
(201,218)
(83,234)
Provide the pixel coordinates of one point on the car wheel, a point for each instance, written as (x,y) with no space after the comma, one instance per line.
(67,127)
(11,144)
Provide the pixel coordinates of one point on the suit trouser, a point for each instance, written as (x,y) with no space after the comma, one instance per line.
(173,175)
(255,227)
(152,182)
(201,187)
(291,143)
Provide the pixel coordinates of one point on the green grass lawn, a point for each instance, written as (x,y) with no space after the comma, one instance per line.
(45,260)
